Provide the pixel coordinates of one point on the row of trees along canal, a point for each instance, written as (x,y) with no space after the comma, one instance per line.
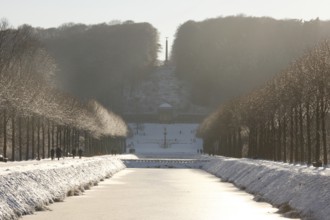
(284,120)
(35,115)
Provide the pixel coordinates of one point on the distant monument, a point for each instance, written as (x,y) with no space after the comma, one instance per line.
(166,51)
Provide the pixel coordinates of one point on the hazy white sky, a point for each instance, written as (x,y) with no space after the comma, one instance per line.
(165,15)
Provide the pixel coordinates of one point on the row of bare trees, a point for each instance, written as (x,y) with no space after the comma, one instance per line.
(285,120)
(35,116)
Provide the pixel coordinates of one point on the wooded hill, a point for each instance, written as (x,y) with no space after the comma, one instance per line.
(228,56)
(95,61)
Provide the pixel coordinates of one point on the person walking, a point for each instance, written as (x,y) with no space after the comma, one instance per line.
(58,153)
(52,153)
(73,153)
(80,152)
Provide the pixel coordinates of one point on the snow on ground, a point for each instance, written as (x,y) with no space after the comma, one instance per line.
(31,185)
(304,189)
(149,140)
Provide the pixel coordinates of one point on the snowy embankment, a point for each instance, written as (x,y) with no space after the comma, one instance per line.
(29,186)
(292,188)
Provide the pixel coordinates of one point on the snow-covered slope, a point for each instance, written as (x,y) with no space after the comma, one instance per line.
(304,189)
(29,186)
(148,139)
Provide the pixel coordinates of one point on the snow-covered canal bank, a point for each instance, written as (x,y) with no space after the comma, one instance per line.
(160,194)
(292,187)
(32,185)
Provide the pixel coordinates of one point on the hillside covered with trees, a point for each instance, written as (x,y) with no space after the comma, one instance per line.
(96,61)
(228,56)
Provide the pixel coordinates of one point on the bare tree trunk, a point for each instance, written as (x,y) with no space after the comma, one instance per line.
(261,142)
(77,140)
(43,138)
(53,134)
(230,144)
(291,135)
(69,140)
(308,133)
(324,132)
(57,135)
(257,142)
(60,138)
(48,137)
(234,150)
(250,143)
(5,133)
(264,140)
(38,137)
(273,140)
(32,137)
(284,139)
(317,125)
(13,144)
(73,139)
(239,142)
(20,137)
(65,139)
(296,148)
(279,140)
(301,134)
(27,137)
(86,142)
(90,146)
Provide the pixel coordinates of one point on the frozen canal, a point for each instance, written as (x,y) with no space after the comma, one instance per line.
(160,194)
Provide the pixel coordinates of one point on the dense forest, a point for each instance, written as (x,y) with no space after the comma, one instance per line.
(96,61)
(35,115)
(228,56)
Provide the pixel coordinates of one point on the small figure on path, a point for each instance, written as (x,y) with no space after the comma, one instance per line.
(73,153)
(52,153)
(58,153)
(80,152)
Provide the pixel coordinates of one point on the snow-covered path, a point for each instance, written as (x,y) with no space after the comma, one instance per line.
(160,194)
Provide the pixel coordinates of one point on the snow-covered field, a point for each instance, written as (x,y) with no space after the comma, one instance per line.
(32,185)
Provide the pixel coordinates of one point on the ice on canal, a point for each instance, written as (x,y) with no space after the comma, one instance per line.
(160,194)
